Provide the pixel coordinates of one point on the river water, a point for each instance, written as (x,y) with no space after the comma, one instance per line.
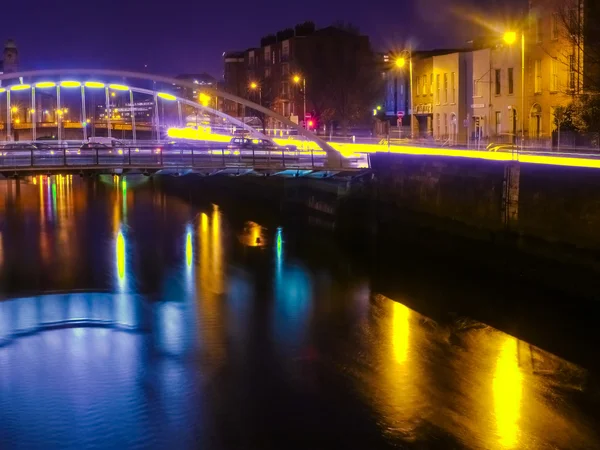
(135,318)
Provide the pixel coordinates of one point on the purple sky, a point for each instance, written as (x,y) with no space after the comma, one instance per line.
(180,36)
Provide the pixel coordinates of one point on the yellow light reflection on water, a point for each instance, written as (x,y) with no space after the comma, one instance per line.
(120,252)
(189,251)
(400,332)
(508,390)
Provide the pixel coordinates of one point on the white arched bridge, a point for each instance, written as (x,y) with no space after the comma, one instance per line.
(111,121)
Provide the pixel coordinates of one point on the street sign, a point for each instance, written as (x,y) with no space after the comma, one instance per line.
(400,115)
(477,105)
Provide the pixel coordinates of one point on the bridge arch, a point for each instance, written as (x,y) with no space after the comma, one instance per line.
(118,74)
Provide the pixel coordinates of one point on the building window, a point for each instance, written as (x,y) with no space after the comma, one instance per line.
(497,87)
(285,89)
(418,82)
(538,30)
(445,124)
(424,84)
(554,26)
(511,81)
(498,123)
(251,59)
(285,50)
(437,88)
(538,76)
(445,88)
(453,85)
(267,56)
(431,84)
(437,119)
(553,75)
(572,72)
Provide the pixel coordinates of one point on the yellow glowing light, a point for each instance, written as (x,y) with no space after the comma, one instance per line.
(17,120)
(113,94)
(45,84)
(14,109)
(204,99)
(20,87)
(296,79)
(94,84)
(510,37)
(118,87)
(253,85)
(120,152)
(121,255)
(189,255)
(166,96)
(400,331)
(204,222)
(32,111)
(508,392)
(400,62)
(70,84)
(2,90)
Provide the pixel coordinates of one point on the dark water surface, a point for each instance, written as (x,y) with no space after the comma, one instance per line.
(134,319)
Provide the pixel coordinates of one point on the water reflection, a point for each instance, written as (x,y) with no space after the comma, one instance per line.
(508,387)
(222,338)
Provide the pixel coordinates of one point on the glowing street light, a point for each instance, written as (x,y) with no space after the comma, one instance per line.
(14,109)
(400,62)
(255,86)
(510,37)
(70,84)
(45,84)
(20,87)
(94,85)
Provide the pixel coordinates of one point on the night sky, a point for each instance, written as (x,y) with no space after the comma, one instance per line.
(178,36)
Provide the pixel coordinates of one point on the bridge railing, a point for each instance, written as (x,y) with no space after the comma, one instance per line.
(181,156)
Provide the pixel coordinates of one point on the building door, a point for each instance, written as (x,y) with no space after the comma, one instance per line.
(513,127)
(535,122)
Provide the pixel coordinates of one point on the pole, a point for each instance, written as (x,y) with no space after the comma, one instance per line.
(33,113)
(304,99)
(108,112)
(412,109)
(522,88)
(132,114)
(8,115)
(83,113)
(58,115)
(156,117)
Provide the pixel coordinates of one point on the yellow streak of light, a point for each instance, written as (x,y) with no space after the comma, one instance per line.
(400,332)
(217,255)
(121,256)
(189,251)
(507,388)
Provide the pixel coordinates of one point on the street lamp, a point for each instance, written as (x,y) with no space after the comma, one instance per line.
(255,86)
(297,79)
(400,64)
(510,37)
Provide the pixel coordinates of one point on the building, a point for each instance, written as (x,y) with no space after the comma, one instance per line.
(291,71)
(555,66)
(495,114)
(10,62)
(200,79)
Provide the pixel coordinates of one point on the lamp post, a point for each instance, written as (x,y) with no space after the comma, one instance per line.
(510,37)
(255,86)
(297,80)
(401,63)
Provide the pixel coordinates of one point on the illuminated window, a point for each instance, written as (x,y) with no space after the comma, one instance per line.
(453,85)
(425,84)
(497,79)
(418,80)
(437,121)
(554,75)
(538,30)
(437,88)
(445,88)
(431,84)
(511,81)
(554,26)
(538,76)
